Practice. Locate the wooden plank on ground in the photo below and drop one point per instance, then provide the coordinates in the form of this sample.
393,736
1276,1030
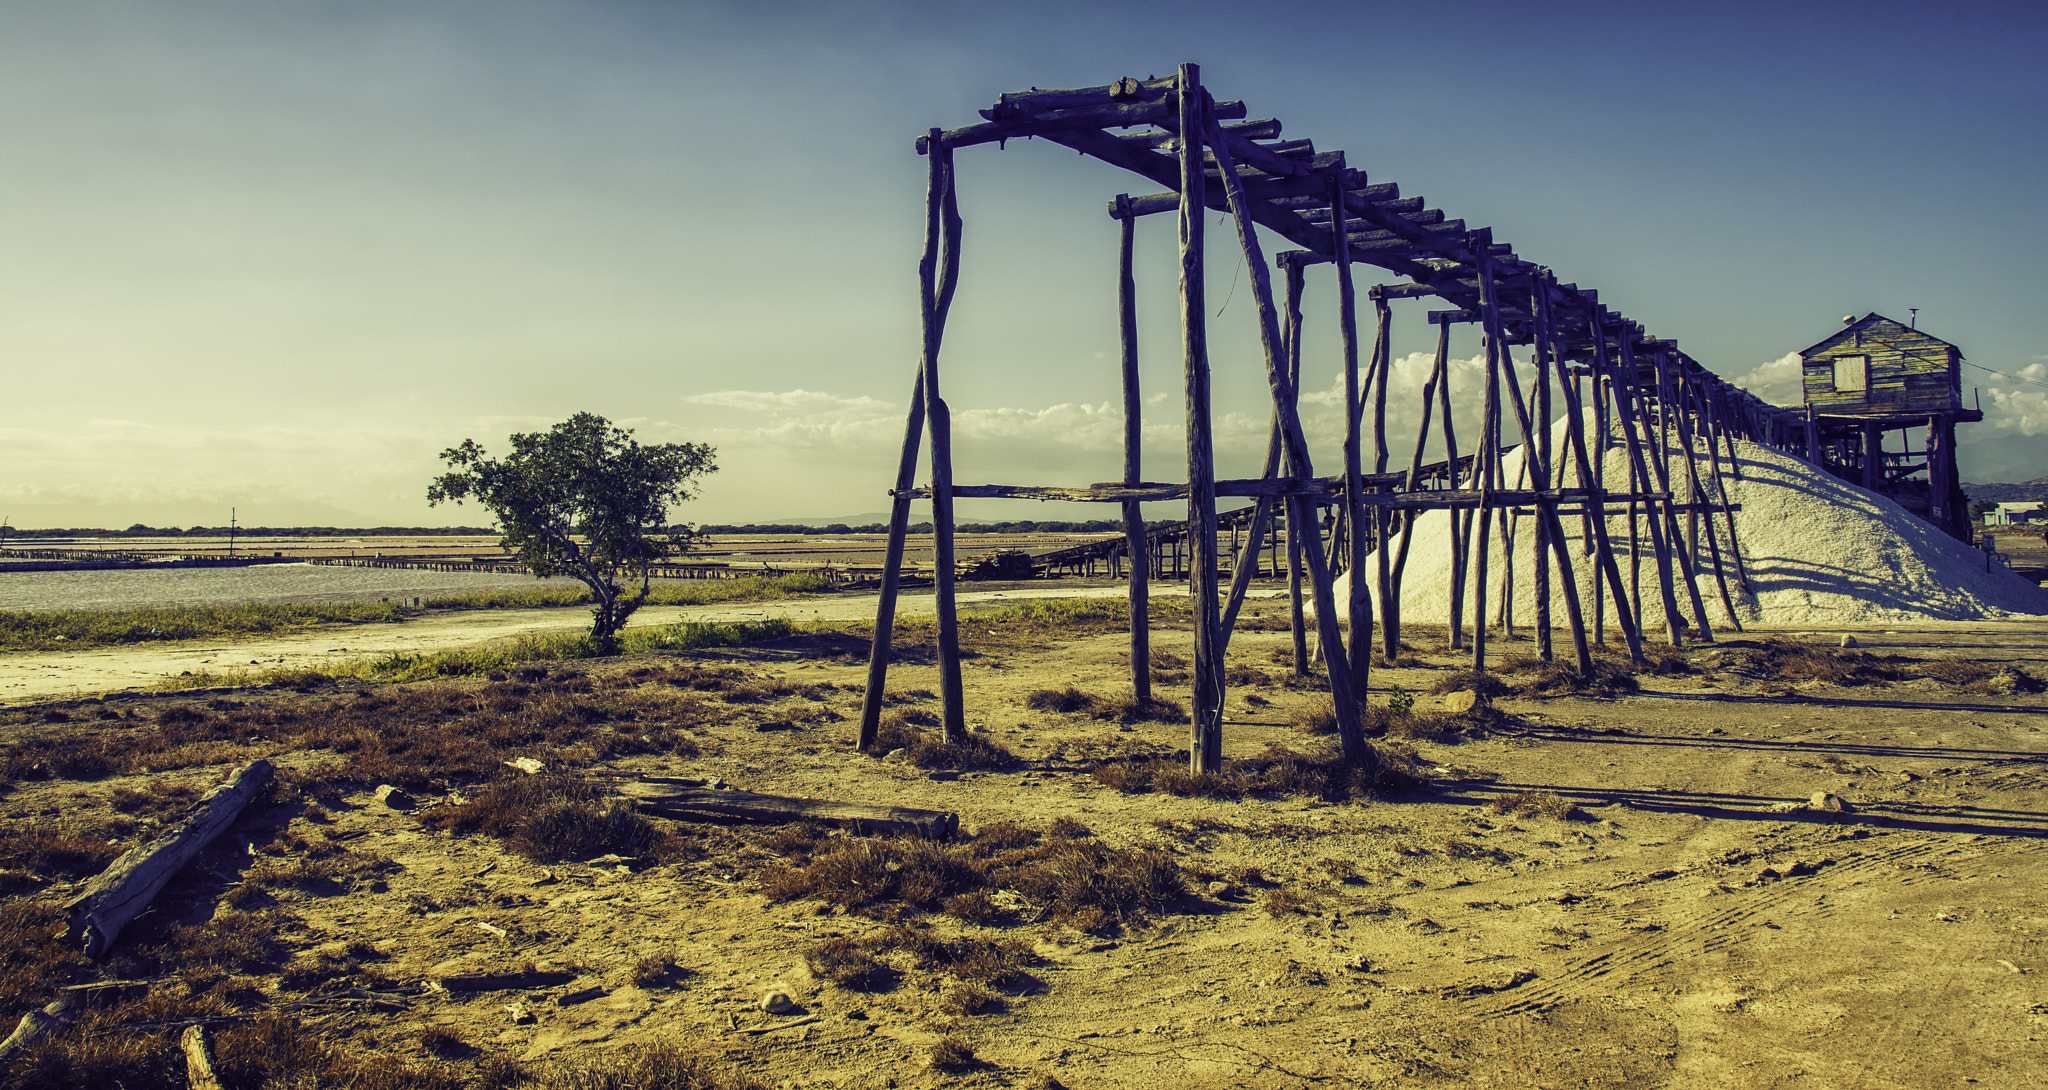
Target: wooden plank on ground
692,804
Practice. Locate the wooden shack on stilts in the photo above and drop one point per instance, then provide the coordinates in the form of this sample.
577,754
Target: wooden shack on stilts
1599,388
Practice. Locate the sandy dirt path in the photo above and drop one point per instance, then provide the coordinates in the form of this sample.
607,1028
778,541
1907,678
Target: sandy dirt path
42,675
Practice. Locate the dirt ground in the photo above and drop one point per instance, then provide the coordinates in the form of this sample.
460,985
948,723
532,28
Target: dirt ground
27,677
1693,920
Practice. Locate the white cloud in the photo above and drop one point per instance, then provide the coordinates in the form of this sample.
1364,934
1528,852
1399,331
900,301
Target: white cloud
1777,382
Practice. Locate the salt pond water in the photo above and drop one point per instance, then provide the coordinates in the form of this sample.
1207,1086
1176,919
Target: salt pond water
132,589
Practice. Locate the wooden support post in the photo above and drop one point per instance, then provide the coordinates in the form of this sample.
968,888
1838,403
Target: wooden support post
1688,568
1682,404
1134,441
1632,410
1573,403
1350,733
1538,471
938,277
1297,622
1205,732
1390,605
1359,606
879,648
1873,455
1582,450
1719,498
1724,426
1460,525
1481,242
939,424
1246,561
1383,519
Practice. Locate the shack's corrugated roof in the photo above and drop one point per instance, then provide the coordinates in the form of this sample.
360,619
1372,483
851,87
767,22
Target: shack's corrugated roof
1866,322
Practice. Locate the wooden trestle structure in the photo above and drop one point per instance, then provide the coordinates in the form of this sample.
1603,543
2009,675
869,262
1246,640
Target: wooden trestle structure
1617,386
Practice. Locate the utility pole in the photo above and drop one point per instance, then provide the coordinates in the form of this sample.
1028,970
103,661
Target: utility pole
231,533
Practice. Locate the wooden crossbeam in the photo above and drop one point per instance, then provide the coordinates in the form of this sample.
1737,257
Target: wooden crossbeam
1270,487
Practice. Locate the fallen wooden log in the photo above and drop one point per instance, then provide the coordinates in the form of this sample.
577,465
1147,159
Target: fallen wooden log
664,800
34,1025
127,886
199,1071
497,982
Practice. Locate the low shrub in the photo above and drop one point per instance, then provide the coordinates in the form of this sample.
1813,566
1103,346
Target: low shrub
1083,883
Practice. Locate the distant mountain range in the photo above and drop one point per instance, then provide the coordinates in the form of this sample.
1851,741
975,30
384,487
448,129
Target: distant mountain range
2036,490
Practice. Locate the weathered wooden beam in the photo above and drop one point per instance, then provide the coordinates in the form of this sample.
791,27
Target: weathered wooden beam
1265,128
1125,90
129,883
1111,115
35,1025
688,804
1314,488
199,1072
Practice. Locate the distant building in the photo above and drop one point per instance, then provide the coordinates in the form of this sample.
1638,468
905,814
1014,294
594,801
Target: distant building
2014,513
1876,376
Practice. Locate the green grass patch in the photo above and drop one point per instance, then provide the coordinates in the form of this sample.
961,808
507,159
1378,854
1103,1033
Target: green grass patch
71,629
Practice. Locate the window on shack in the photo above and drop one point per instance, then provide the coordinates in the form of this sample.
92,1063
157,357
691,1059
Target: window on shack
1852,374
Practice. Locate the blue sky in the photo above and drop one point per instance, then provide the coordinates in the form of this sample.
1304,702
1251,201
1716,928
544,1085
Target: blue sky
278,255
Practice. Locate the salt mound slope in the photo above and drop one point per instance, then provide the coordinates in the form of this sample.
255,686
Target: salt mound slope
1818,550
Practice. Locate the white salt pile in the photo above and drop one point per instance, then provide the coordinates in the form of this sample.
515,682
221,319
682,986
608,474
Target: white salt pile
1817,550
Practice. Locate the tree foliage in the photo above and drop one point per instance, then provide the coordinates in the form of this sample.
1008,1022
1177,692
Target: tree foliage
586,500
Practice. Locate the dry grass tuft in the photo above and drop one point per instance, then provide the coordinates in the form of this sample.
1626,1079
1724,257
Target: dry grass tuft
952,1055
1320,774
1777,658
1287,902
653,970
1068,700
553,816
1319,718
933,751
1609,678
1544,803
1468,681
971,999
442,1041
1083,883
1125,709
850,963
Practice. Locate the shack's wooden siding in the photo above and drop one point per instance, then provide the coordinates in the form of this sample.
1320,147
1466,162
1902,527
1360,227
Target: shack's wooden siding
1911,373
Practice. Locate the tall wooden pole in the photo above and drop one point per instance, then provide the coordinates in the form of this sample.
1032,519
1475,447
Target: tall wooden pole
939,421
938,276
1297,622
1134,442
1489,437
1350,734
1205,732
1359,606
1383,517
1460,526
1391,603
1629,620
1632,410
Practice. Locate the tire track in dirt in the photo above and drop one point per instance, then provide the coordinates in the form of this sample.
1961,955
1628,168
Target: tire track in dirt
1690,931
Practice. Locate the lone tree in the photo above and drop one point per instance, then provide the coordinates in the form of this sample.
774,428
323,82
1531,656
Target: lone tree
583,499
